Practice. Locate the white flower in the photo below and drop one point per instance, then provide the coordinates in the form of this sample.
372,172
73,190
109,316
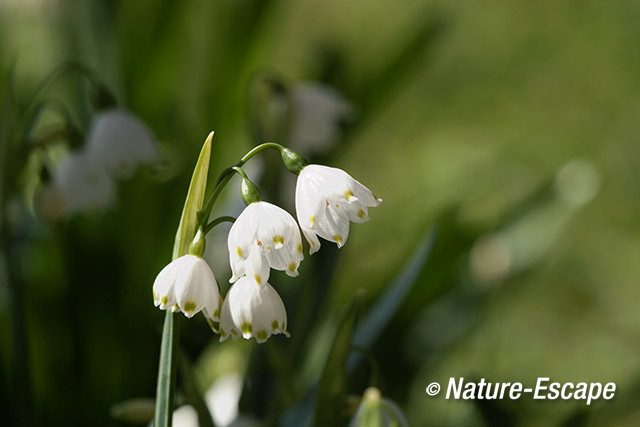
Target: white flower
252,310
81,185
326,200
187,284
264,236
119,142
318,111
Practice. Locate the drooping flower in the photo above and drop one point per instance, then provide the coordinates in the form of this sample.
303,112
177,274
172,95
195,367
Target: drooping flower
119,142
187,284
326,200
318,112
80,185
264,236
252,310
374,410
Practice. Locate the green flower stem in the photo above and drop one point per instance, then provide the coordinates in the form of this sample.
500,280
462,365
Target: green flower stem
166,371
374,380
226,174
217,221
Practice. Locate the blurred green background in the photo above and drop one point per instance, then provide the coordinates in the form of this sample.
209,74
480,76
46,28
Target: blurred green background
507,130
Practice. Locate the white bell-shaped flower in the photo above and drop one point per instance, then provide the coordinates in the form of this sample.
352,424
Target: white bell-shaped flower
119,142
252,310
326,200
81,185
264,236
187,284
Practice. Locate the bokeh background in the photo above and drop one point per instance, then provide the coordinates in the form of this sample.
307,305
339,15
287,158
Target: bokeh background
502,136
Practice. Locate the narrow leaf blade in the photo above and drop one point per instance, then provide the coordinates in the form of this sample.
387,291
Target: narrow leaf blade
331,389
193,203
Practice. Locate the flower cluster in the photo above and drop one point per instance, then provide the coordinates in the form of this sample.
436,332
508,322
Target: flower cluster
265,237
117,143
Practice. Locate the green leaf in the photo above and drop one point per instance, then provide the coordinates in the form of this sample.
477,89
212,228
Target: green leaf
193,203
374,322
6,107
387,304
331,389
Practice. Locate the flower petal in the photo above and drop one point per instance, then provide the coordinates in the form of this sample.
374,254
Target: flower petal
195,286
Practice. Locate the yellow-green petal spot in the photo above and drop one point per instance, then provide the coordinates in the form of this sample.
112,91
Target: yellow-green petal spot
292,267
361,214
262,335
274,325
239,251
299,248
246,328
155,297
278,240
189,307
348,194
312,221
222,333
234,332
216,313
164,300
338,238
258,279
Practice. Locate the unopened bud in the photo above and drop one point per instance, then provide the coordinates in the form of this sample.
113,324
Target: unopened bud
293,161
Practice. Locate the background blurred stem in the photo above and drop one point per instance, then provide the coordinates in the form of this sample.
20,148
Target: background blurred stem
193,395
21,376
60,72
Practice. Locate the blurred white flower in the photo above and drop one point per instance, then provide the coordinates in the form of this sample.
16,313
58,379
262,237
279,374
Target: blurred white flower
374,410
264,236
252,310
318,112
187,284
222,399
185,416
118,142
326,200
79,185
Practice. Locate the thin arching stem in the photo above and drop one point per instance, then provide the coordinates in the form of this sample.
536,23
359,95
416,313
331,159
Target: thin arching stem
226,174
217,221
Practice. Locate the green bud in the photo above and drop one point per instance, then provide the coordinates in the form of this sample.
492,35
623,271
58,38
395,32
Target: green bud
198,244
293,161
250,192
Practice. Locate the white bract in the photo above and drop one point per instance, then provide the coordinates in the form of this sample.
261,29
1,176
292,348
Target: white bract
252,310
326,200
264,236
80,185
118,141
187,284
